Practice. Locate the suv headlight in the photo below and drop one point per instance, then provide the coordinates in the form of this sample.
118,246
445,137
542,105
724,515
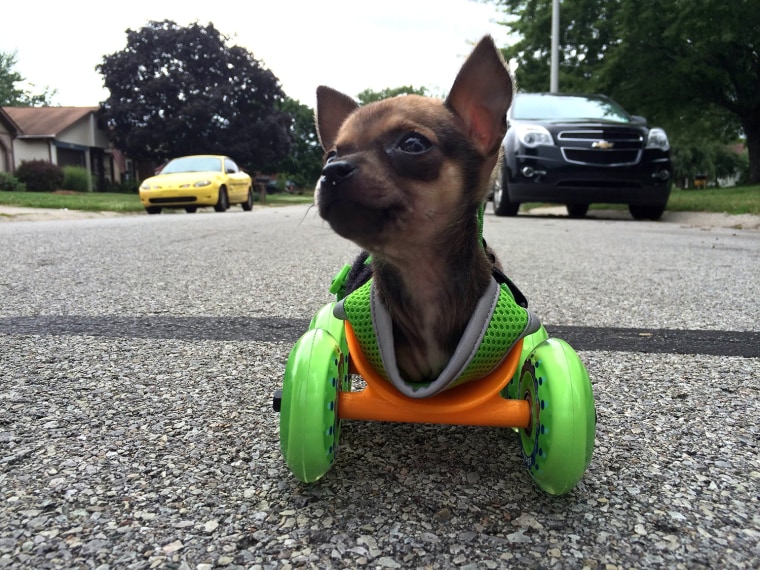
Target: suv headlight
657,139
534,135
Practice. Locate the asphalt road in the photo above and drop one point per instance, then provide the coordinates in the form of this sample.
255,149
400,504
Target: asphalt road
139,354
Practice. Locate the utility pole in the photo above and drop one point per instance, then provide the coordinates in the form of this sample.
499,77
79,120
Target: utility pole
554,77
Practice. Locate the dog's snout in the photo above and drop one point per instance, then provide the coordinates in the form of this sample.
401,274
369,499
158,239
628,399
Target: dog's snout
335,172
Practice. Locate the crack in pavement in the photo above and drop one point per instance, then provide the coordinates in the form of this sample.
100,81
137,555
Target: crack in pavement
280,329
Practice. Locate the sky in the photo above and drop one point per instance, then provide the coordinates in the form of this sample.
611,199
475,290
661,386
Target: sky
350,45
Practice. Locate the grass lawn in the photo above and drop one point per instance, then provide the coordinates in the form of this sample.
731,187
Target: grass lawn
107,202
737,200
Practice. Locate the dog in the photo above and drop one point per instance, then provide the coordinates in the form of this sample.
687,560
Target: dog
404,179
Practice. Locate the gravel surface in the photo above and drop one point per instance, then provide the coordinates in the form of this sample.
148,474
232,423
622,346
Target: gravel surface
139,356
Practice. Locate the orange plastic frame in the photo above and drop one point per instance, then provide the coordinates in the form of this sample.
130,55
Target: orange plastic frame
474,403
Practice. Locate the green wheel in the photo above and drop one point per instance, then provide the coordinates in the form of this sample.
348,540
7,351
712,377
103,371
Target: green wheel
530,342
309,425
325,320
558,443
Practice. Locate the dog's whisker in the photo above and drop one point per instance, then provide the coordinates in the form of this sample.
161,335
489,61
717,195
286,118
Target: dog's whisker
308,211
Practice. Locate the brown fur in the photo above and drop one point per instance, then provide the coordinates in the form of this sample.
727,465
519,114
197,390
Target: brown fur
403,179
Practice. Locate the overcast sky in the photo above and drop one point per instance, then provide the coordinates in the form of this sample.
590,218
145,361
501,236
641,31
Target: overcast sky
350,45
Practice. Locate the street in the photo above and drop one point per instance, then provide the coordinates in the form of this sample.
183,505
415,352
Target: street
139,356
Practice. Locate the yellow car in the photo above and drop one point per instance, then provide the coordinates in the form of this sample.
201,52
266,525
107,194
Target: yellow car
199,180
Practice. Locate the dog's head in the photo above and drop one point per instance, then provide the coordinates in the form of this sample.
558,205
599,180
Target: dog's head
405,170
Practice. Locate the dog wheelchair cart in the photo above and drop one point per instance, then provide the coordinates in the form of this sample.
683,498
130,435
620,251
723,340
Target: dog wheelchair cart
540,388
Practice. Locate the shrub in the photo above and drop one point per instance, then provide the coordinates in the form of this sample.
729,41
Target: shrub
40,175
9,183
127,187
76,178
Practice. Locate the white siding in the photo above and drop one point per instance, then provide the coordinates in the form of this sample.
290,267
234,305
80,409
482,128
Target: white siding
31,150
85,133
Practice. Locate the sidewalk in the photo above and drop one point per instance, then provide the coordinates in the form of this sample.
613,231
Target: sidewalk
694,219
16,214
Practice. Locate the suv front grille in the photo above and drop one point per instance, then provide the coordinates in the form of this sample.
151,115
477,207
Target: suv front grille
602,147
601,157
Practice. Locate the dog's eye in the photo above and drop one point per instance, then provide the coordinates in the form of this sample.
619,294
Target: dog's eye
414,143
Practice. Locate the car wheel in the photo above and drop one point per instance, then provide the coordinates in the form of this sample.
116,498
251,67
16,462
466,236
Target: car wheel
577,210
248,204
191,209
501,204
223,202
153,210
646,211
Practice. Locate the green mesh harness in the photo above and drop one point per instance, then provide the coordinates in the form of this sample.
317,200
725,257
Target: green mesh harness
497,323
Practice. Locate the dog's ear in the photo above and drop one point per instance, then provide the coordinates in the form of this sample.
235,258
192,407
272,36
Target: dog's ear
332,109
481,96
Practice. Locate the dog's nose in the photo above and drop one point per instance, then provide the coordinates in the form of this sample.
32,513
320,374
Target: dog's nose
336,172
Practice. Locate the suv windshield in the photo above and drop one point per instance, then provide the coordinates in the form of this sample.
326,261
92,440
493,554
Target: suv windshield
544,106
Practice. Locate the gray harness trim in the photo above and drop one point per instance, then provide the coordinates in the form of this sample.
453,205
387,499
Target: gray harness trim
466,350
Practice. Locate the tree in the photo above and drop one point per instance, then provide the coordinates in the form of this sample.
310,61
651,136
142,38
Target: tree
303,164
692,59
368,95
587,31
675,61
13,96
182,90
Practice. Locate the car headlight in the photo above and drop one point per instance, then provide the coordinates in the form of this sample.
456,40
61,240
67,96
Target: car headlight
202,183
148,186
657,139
534,135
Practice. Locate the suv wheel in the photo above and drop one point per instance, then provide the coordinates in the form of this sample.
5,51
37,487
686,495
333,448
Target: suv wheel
501,204
646,211
576,210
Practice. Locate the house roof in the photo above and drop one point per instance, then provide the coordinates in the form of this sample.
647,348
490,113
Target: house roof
46,121
10,123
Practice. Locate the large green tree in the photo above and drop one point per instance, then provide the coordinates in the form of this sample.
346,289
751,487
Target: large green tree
698,61
11,94
370,95
303,164
183,90
587,34
683,63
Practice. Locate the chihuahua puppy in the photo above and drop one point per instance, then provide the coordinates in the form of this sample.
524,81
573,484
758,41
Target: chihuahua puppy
404,179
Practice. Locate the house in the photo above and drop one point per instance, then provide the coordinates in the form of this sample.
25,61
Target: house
8,132
66,136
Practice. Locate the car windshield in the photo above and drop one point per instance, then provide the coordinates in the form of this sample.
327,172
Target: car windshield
193,164
530,106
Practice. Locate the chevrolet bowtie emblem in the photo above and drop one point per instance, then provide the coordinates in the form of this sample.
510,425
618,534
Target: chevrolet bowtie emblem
604,145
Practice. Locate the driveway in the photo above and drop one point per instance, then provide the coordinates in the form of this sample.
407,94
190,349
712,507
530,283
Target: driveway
139,355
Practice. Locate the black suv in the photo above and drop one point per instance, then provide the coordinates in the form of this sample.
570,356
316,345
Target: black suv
579,149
